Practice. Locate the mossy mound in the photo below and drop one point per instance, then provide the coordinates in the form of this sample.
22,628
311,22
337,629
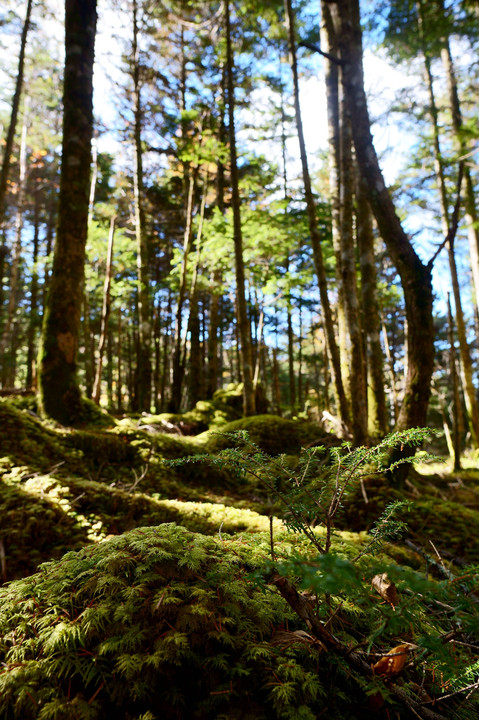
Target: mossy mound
33,530
275,435
25,440
158,623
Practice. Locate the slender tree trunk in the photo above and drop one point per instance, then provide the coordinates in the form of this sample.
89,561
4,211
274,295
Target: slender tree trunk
143,395
119,377
6,344
331,76
89,345
178,365
33,319
415,276
242,315
472,406
7,153
291,375
456,403
377,411
214,318
59,395
472,215
105,313
314,230
357,367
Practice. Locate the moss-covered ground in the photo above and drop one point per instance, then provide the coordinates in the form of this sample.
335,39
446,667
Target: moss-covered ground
154,612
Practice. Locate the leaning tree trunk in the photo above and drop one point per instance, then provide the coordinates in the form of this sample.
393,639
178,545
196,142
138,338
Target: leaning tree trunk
59,394
243,322
415,276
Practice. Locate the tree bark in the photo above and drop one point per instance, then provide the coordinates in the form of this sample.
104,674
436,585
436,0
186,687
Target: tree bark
7,153
314,229
377,411
105,313
59,394
14,288
472,406
415,276
242,315
143,386
33,319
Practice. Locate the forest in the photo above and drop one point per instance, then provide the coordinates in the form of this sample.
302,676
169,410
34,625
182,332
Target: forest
239,360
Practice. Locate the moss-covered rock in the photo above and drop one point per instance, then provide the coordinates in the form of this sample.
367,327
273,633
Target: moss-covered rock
159,623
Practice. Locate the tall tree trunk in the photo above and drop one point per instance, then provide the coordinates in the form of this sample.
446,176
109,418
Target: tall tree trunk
357,366
472,215
14,289
415,276
89,345
7,153
33,319
314,229
242,315
105,313
143,387
291,375
119,377
377,412
472,405
178,365
59,395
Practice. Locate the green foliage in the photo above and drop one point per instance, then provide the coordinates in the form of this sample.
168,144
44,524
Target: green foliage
158,621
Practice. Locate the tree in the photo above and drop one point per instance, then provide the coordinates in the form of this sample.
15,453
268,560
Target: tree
243,326
7,153
415,276
59,393
314,230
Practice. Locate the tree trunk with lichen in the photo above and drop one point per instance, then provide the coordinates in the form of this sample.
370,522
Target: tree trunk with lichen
59,394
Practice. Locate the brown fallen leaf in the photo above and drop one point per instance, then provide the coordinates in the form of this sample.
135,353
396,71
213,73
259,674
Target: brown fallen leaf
386,588
393,661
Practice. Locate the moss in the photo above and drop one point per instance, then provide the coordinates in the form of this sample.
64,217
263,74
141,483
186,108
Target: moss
26,440
101,448
159,621
33,530
275,435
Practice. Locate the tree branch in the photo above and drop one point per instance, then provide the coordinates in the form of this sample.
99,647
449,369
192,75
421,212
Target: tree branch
317,49
452,231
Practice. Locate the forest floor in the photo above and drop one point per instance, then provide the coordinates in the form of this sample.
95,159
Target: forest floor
66,489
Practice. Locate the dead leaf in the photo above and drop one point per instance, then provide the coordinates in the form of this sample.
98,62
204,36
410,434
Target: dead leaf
392,662
386,588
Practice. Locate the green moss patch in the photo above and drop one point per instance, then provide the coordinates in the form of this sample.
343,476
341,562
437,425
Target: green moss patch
158,623
275,435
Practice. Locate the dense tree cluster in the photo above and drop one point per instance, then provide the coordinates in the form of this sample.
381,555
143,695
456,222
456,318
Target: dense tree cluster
208,257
